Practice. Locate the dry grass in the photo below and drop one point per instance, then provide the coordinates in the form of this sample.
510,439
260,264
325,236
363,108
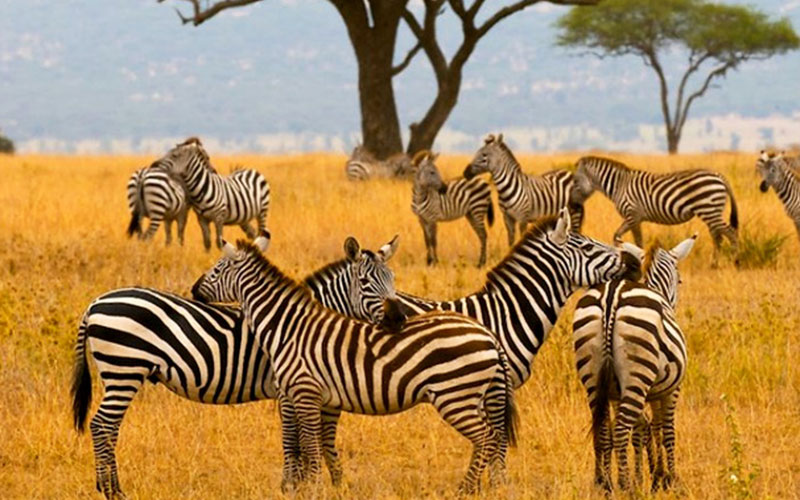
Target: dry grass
62,242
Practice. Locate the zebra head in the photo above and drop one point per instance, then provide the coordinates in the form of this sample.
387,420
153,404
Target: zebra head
493,154
769,166
426,175
371,281
181,160
588,261
661,267
583,183
221,283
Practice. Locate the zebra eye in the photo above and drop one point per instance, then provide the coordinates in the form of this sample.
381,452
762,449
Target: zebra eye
364,281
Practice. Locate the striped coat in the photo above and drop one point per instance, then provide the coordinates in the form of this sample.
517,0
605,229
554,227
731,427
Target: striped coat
782,174
153,193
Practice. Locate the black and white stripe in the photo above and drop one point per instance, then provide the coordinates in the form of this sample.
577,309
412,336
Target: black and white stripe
326,360
523,198
783,175
434,200
242,196
362,166
671,198
152,193
630,349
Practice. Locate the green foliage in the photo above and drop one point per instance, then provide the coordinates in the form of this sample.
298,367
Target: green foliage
6,145
739,481
757,250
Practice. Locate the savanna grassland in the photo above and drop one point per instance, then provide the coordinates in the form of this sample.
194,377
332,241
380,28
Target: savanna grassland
62,242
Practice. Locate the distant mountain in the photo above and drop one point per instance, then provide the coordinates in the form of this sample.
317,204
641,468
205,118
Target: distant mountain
124,75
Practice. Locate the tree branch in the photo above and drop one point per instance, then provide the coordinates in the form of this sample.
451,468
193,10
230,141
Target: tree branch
718,71
396,70
694,65
201,15
518,6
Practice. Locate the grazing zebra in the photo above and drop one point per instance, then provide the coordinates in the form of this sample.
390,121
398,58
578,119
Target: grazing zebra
152,193
671,198
200,352
434,200
235,199
630,349
523,295
523,198
783,174
362,165
326,360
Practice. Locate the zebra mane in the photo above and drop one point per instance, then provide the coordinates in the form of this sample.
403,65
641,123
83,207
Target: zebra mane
190,140
332,268
270,270
536,232
615,163
421,156
505,149
650,256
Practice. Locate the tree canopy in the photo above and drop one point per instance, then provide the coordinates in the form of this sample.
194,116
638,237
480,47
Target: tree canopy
716,37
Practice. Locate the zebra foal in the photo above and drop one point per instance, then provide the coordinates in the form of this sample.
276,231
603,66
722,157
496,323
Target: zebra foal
434,200
240,197
362,166
325,360
523,198
783,175
200,352
630,349
671,198
153,193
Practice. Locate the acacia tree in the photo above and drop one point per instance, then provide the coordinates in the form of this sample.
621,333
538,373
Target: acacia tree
716,37
372,26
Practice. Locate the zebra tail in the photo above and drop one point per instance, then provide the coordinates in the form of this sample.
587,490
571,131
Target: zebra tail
511,416
605,379
81,380
734,214
135,226
490,213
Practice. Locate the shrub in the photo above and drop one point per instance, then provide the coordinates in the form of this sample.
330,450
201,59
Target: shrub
6,145
757,250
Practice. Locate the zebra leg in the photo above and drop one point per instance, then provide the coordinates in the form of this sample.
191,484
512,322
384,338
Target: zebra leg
118,394
470,422
510,223
204,223
668,431
218,225
523,226
181,225
429,228
628,413
602,452
292,465
330,419
641,439
476,221
495,407
626,226
155,222
168,230
307,401
248,230
658,437
636,229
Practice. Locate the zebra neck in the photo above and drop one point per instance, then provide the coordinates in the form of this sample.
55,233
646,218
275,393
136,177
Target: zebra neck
423,196
508,178
331,287
199,179
783,186
611,182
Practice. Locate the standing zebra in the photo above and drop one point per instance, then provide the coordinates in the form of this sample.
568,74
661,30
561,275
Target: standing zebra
235,199
523,295
671,198
783,175
362,165
523,198
200,352
630,349
434,200
152,193
326,360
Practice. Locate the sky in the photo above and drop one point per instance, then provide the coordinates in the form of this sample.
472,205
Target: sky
120,76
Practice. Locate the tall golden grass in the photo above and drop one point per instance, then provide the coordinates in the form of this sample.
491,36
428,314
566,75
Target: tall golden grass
62,242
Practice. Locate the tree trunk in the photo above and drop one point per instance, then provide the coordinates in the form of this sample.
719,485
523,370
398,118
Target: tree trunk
424,133
673,138
374,50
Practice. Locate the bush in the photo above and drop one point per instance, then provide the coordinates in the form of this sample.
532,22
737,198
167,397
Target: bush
6,145
757,250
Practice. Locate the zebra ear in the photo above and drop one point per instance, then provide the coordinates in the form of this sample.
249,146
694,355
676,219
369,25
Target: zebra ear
683,248
262,242
352,249
499,138
228,250
633,250
560,233
388,250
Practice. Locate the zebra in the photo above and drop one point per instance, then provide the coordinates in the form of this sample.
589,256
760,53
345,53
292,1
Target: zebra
434,200
630,349
523,295
236,199
201,352
152,193
671,198
523,198
783,174
326,360
362,165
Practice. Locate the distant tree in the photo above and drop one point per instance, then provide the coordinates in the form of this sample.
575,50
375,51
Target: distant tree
372,26
6,144
716,37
